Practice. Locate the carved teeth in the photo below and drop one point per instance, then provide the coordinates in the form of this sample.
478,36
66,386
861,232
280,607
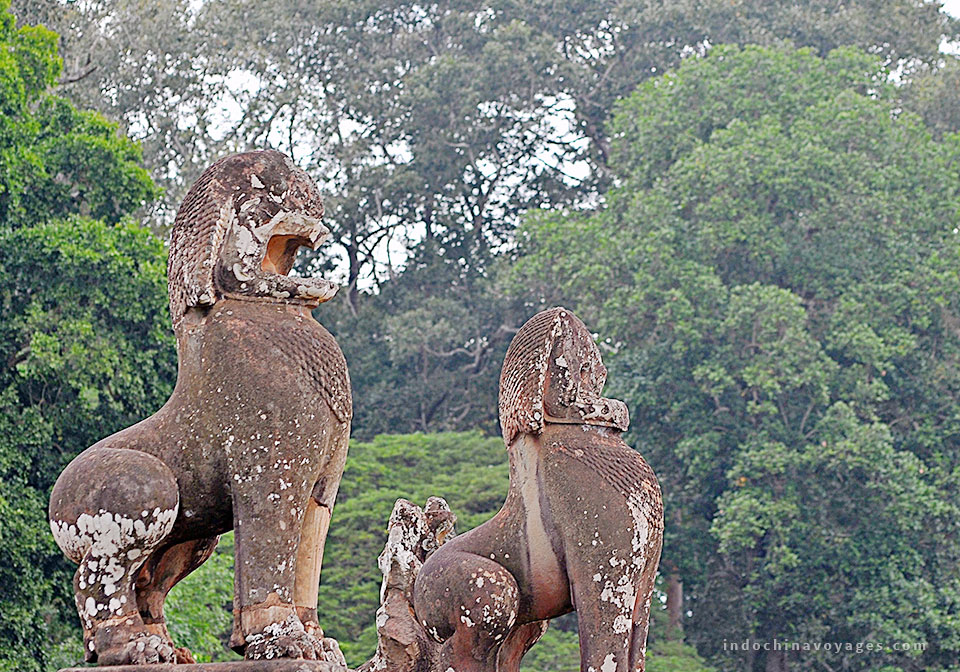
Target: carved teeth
319,234
289,223
319,289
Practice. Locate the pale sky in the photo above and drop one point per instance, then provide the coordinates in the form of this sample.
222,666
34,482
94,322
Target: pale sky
951,7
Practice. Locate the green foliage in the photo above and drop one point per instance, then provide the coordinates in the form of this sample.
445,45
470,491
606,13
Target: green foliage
425,354
86,349
432,127
557,651
776,280
934,93
440,121
54,159
84,339
668,117
675,656
199,610
670,655
26,589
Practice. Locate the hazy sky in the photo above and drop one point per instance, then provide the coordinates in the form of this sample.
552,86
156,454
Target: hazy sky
952,6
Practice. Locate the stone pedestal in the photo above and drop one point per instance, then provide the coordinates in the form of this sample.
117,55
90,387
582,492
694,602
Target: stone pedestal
238,666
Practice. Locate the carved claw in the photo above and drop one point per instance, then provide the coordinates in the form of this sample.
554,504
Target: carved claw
290,640
281,646
317,288
327,648
331,651
143,649
184,656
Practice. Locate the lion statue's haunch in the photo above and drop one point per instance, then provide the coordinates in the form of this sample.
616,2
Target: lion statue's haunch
253,439
580,530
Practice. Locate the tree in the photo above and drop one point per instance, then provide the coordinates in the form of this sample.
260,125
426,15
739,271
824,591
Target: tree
776,282
934,93
436,121
57,160
84,335
147,67
426,354
431,127
86,351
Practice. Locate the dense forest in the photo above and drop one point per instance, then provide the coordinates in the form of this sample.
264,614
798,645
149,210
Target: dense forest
755,205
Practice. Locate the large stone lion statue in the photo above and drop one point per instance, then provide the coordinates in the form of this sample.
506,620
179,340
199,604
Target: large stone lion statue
253,438
580,530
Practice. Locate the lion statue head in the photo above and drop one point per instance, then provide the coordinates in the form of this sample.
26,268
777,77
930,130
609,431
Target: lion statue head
553,373
238,231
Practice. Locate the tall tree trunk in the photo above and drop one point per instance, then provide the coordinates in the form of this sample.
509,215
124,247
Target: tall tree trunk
353,295
674,605
776,661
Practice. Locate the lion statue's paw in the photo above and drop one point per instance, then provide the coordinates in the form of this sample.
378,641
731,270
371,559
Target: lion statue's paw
142,649
331,652
289,639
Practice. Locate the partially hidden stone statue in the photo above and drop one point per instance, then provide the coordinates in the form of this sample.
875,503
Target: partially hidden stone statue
581,529
413,533
253,438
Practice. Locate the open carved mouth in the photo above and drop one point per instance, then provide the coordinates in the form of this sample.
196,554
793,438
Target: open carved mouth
282,253
289,232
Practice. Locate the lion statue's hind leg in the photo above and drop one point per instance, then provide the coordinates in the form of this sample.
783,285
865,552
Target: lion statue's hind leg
470,603
109,510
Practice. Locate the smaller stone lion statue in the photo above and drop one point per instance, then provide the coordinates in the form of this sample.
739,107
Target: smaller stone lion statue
580,530
253,438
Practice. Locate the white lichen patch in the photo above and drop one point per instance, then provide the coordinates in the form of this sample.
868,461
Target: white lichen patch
106,534
274,640
407,532
641,514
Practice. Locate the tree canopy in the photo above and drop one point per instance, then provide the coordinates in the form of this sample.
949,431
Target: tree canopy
431,129
56,160
776,281
84,335
439,121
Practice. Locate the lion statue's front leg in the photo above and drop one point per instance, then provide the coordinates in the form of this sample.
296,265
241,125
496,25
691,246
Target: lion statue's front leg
254,437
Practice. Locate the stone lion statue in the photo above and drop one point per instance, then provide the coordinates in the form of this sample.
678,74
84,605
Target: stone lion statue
580,530
253,438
